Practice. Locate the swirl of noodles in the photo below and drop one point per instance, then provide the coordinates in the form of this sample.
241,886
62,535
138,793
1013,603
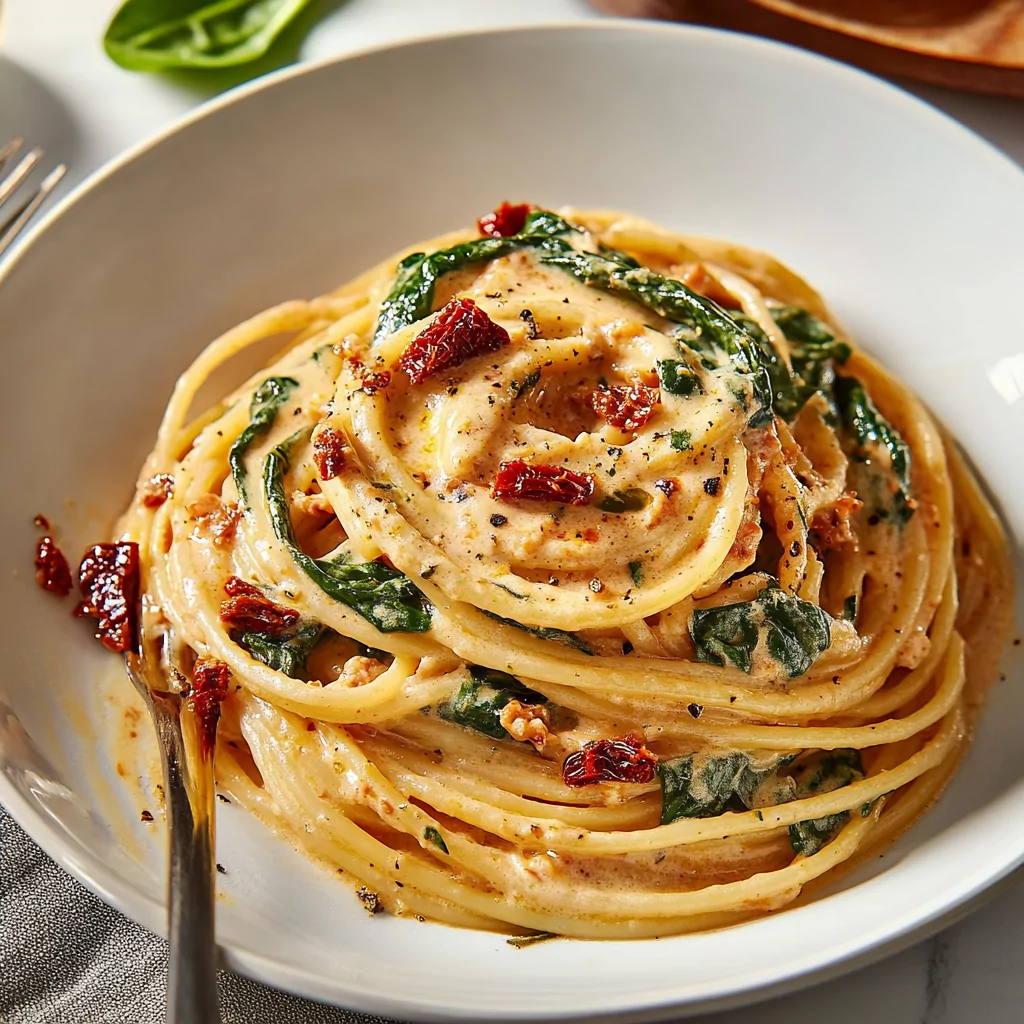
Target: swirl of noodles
594,584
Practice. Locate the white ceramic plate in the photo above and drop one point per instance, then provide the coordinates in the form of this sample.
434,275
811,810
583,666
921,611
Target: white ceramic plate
910,226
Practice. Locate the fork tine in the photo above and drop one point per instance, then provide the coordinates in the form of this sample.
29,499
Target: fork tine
19,173
9,149
13,227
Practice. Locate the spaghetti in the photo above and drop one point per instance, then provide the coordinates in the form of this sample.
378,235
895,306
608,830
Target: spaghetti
574,576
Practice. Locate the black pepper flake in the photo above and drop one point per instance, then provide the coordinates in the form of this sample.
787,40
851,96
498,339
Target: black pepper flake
552,581
498,519
532,330
696,710
146,817
221,869
711,485
732,700
428,572
369,899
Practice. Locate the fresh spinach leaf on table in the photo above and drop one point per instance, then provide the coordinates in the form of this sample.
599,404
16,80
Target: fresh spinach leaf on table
152,35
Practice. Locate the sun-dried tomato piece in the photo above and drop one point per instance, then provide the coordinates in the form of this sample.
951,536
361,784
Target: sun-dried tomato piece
329,449
156,490
460,331
625,406
507,219
621,760
517,480
52,570
371,380
831,526
209,687
109,579
215,519
249,610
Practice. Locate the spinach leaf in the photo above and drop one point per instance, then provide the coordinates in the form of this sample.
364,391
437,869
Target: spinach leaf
529,382
573,640
150,35
787,393
797,632
704,787
479,701
870,428
286,654
636,572
824,772
681,440
412,295
267,400
382,595
633,499
618,256
432,835
678,379
814,351
706,328
808,837
807,331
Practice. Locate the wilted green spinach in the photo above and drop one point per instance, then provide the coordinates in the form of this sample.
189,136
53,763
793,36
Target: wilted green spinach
798,632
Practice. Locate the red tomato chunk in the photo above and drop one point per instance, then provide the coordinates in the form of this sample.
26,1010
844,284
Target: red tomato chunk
249,610
507,219
329,452
621,760
52,570
109,578
460,331
209,687
519,481
625,406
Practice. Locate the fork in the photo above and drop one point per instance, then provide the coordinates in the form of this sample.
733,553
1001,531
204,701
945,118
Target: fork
22,214
187,758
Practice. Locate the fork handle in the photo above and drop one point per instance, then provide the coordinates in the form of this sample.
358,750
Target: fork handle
192,980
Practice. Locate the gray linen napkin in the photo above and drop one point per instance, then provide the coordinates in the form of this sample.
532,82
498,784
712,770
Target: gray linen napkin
68,958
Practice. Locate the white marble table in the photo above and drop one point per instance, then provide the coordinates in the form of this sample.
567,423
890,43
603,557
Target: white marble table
58,89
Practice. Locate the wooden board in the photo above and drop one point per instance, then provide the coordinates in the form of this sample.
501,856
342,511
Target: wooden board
967,44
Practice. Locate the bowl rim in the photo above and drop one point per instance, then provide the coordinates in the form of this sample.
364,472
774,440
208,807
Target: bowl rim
973,888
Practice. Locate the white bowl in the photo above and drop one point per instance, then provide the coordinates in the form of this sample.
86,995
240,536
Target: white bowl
909,224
